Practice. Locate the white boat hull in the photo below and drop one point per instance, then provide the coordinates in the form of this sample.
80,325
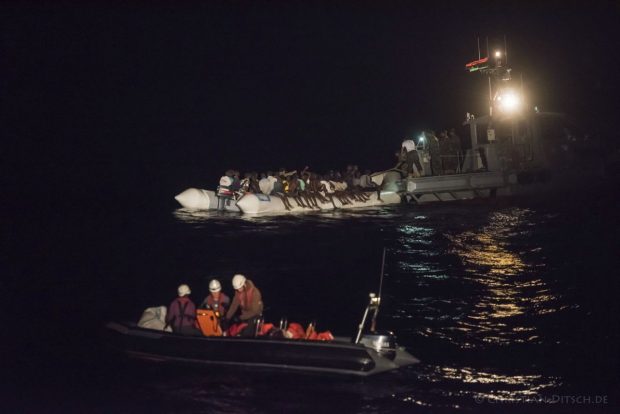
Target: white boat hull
198,199
260,203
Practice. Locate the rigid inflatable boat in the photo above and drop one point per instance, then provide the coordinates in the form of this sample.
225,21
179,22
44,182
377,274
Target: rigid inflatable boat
367,354
374,354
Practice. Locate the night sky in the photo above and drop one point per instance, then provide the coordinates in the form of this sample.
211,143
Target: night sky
107,100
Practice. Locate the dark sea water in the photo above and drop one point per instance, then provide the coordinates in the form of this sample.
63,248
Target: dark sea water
510,304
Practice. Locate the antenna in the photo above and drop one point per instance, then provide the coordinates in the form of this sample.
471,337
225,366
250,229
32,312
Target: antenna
505,50
373,323
381,278
487,46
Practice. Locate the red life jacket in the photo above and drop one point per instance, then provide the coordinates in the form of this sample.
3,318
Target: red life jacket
296,331
245,296
218,305
235,329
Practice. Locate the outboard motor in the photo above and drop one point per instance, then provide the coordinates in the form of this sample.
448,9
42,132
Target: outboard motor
383,342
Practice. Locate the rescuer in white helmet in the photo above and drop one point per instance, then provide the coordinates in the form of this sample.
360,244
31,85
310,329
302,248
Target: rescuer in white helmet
249,300
216,300
181,316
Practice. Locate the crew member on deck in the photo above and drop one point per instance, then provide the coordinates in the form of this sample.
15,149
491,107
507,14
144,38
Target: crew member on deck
181,316
409,160
216,300
434,152
249,299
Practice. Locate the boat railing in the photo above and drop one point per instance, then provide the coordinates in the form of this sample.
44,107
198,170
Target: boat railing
259,326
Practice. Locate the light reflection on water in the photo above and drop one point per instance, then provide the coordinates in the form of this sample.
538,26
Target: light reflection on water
468,292
482,295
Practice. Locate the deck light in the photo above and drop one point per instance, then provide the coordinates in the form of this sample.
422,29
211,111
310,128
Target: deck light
509,101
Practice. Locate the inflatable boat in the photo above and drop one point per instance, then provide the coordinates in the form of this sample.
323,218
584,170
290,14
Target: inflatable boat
198,199
367,354
374,354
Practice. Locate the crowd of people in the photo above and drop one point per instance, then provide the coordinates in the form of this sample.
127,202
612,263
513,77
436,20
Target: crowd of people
442,152
243,316
307,189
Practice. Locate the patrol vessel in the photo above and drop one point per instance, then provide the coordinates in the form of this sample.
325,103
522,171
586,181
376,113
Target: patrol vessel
514,149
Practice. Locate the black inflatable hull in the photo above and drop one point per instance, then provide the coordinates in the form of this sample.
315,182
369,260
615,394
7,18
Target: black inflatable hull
335,357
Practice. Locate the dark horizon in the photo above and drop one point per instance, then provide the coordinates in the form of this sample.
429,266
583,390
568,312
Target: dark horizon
166,97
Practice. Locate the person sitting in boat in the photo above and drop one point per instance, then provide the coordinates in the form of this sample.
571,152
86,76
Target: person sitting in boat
267,182
356,176
216,300
244,184
278,185
280,188
366,181
181,316
227,181
315,190
295,191
253,186
348,176
249,184
248,299
236,184
326,185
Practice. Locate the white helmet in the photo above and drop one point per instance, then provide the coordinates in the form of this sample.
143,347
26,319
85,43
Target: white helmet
183,290
215,286
238,281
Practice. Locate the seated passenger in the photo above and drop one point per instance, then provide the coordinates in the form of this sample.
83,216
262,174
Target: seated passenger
244,185
348,176
340,185
292,187
236,185
278,185
327,187
253,186
356,176
216,300
181,316
248,299
225,188
366,181
267,182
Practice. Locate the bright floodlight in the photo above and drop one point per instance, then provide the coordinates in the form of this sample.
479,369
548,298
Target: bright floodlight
421,138
498,53
509,101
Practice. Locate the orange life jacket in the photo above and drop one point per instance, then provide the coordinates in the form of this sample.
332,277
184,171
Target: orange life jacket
209,322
